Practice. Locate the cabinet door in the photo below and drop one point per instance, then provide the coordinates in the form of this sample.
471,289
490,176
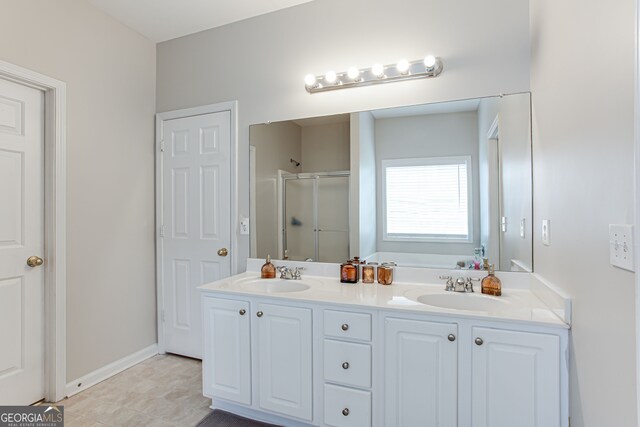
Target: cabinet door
421,380
226,365
515,379
284,360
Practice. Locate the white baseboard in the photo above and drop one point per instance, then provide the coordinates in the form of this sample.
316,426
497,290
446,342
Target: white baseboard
110,370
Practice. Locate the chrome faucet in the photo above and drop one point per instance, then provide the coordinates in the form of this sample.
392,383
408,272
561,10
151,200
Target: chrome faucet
461,284
290,273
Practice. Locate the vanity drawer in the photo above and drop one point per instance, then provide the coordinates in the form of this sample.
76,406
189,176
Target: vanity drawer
347,363
343,324
345,407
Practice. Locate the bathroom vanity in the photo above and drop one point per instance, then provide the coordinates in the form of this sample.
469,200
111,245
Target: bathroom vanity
318,352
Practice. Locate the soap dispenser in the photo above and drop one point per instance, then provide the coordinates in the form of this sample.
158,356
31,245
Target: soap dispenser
491,285
268,270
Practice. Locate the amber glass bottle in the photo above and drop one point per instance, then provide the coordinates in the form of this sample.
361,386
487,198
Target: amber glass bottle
491,285
348,272
268,270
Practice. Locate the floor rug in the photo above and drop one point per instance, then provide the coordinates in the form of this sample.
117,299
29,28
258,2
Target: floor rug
218,418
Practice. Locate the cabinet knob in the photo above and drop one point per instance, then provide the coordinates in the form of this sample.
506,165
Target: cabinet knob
451,337
259,314
345,411
479,341
345,365
242,312
345,327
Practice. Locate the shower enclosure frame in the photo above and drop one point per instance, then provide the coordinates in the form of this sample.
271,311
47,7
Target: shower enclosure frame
284,177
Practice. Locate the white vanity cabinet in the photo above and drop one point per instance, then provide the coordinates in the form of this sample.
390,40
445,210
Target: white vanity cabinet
515,379
277,339
284,350
314,363
421,373
226,364
471,372
347,368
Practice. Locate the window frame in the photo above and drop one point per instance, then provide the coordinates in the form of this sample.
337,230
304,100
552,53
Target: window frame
427,161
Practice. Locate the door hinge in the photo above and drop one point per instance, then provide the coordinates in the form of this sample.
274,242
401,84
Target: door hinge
162,230
162,145
162,315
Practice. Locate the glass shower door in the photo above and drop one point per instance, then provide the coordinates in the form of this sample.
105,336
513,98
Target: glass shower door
333,218
299,219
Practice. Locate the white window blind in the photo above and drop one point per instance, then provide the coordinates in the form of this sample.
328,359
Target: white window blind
427,198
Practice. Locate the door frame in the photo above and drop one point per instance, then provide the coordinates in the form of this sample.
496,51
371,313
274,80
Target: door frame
55,196
232,107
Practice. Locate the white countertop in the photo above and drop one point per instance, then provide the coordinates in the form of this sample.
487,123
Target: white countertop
518,304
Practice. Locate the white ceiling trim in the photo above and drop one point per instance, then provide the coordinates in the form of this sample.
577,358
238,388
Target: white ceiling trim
161,20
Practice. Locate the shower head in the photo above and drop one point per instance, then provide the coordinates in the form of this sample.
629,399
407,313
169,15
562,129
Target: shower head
297,163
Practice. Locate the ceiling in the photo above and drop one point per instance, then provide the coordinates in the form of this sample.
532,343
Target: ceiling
161,20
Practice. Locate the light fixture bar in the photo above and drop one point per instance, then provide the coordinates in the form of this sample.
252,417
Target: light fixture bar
419,69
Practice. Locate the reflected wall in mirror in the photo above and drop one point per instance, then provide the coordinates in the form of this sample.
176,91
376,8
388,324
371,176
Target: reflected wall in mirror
438,185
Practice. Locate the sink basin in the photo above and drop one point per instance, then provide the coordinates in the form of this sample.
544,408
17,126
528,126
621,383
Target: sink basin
464,301
274,285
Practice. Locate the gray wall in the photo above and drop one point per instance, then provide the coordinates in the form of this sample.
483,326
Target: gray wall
275,144
583,181
363,235
110,75
433,135
325,148
261,62
515,186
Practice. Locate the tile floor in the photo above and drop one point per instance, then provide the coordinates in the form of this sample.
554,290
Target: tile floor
165,390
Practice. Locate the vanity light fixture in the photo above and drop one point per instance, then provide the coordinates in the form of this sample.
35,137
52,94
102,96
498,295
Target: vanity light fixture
403,67
430,66
378,70
354,74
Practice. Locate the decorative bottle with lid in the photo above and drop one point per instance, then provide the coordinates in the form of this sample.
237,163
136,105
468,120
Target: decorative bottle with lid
491,285
348,272
268,270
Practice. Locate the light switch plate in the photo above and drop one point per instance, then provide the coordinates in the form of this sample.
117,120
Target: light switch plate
621,246
244,226
546,232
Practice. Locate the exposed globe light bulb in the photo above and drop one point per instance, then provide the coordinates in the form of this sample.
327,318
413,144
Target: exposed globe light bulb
353,73
309,80
377,70
330,77
403,66
429,61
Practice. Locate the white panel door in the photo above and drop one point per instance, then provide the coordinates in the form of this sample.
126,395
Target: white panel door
284,360
21,236
196,221
421,373
226,363
515,379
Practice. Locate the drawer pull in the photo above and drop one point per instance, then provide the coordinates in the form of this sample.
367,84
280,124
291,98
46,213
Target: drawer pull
451,337
345,327
242,311
479,341
345,411
259,314
345,365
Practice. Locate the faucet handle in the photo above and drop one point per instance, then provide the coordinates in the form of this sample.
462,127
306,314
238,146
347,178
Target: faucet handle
296,273
468,286
449,285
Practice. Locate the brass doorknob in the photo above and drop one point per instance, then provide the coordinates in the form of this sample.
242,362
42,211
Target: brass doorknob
34,261
223,252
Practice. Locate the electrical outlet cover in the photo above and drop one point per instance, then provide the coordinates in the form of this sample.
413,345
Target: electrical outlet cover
546,232
621,246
